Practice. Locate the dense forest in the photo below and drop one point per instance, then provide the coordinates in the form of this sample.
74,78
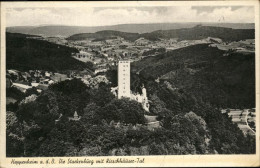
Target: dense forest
111,126
195,33
154,51
24,54
203,71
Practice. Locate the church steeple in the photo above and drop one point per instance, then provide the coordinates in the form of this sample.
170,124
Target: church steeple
76,116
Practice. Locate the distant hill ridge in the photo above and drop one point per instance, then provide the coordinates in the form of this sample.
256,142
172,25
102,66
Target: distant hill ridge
195,33
105,34
58,30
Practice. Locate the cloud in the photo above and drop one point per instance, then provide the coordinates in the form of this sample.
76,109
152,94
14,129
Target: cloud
110,16
227,14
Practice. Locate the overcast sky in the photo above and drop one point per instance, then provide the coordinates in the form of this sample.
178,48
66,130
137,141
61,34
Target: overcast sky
100,16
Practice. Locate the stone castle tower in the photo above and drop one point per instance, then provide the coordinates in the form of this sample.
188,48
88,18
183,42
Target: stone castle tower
123,88
124,79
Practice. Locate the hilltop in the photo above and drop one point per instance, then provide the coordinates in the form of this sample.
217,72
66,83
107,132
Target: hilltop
106,34
25,53
58,30
203,71
199,32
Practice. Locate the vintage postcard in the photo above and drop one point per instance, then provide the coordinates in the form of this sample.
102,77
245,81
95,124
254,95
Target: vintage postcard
129,84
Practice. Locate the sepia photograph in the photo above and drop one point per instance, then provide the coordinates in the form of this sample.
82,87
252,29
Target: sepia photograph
129,80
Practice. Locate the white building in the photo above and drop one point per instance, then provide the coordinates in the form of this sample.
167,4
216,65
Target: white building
21,87
100,70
